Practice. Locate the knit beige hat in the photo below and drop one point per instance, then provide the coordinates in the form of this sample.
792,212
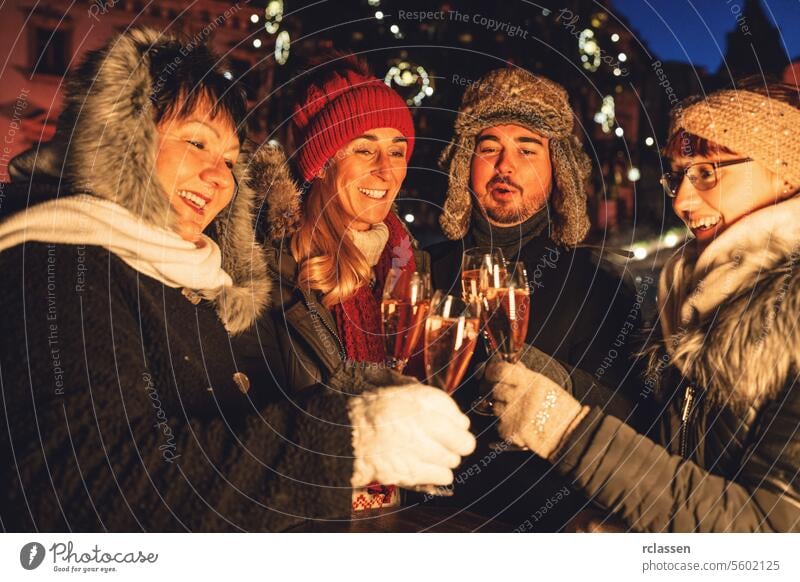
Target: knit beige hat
515,96
749,124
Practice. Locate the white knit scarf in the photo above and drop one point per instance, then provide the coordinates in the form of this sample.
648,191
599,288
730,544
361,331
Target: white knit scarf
693,286
371,242
156,252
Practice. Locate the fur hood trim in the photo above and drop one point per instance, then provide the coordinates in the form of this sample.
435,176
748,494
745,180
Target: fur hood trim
270,173
105,145
747,351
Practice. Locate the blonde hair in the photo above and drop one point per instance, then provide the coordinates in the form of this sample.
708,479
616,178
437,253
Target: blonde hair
328,260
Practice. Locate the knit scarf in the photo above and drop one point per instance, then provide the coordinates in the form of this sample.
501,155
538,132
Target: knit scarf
510,239
156,252
694,284
358,320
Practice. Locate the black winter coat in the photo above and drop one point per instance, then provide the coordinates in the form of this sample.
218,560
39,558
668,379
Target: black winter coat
126,407
580,313
718,448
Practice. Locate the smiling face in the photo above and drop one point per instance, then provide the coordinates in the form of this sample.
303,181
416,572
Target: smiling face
367,176
741,189
511,175
194,163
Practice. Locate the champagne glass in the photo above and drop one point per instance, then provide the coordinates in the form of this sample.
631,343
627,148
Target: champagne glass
506,310
451,332
476,264
406,299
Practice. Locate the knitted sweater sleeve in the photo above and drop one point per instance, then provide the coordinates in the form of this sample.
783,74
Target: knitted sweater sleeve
653,490
96,440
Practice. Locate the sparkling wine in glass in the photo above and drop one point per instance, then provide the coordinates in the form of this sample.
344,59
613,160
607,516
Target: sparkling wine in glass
406,299
505,315
476,264
451,333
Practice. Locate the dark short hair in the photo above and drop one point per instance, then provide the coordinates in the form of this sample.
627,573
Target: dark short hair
183,78
683,143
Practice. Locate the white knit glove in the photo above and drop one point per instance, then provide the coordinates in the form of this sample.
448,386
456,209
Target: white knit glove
407,435
534,411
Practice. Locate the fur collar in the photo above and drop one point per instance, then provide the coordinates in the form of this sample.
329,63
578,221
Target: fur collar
745,349
105,145
270,173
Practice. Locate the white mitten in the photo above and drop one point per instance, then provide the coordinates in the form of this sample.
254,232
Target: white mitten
407,435
534,411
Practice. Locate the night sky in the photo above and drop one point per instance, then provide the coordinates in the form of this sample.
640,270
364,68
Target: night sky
694,30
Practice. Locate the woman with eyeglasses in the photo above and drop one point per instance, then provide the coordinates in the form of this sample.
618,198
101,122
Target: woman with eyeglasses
721,452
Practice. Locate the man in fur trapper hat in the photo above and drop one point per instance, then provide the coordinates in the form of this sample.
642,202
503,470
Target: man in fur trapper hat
517,178
514,106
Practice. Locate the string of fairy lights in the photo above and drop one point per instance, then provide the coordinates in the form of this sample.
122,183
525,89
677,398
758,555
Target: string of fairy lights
408,78
273,15
413,82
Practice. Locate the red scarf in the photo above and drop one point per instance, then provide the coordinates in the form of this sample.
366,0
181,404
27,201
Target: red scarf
358,320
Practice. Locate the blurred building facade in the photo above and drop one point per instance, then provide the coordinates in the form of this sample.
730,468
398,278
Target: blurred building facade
42,41
429,51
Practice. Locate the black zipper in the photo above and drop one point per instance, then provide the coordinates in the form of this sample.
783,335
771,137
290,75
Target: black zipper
686,411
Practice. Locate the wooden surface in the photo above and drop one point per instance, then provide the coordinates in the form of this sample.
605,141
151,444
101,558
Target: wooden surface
410,519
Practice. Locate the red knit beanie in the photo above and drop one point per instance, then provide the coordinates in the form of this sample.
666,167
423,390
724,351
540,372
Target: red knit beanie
340,104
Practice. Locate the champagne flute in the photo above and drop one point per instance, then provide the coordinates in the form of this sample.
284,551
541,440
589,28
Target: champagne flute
476,264
451,332
506,310
406,299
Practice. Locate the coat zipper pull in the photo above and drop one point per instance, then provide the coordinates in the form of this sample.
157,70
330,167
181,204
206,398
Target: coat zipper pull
688,397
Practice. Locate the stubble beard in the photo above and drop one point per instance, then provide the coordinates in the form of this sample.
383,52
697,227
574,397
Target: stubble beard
514,214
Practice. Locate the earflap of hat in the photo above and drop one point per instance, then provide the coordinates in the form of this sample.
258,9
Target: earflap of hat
571,168
457,158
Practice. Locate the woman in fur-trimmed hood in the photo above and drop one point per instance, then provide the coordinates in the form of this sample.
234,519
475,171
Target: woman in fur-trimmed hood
142,378
723,452
137,393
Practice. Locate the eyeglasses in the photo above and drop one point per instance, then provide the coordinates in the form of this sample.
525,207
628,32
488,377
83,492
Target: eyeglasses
702,175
